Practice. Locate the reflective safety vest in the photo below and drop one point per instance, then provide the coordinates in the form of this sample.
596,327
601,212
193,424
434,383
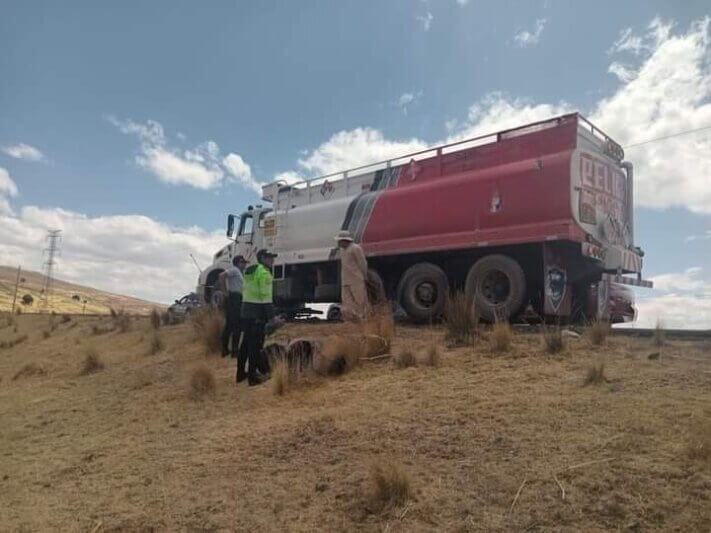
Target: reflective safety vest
257,286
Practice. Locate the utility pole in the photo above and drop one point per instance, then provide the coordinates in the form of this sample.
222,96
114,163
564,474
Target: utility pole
52,250
17,285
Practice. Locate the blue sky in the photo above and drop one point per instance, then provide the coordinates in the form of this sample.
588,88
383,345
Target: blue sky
273,83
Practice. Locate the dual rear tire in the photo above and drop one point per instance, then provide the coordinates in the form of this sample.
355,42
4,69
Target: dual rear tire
495,285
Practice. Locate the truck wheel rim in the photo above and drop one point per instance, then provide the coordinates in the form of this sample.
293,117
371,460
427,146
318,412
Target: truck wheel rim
495,287
426,294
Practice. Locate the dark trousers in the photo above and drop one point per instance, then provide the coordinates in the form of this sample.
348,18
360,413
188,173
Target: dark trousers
252,349
233,326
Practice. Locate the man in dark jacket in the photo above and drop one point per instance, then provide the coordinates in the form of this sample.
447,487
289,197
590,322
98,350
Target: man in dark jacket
257,310
232,281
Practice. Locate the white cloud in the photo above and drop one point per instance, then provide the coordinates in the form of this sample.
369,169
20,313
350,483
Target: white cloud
669,92
628,41
23,151
202,167
426,20
526,38
129,254
348,149
678,300
406,99
241,172
623,72
704,237
7,186
462,2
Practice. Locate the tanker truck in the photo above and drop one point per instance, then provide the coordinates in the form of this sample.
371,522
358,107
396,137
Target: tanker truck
537,218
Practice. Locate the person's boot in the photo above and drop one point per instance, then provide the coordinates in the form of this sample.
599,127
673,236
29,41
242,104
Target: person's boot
256,379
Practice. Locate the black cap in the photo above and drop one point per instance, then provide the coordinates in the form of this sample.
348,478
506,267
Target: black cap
238,259
264,253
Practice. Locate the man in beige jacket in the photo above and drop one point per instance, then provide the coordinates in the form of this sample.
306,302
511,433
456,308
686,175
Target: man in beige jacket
354,273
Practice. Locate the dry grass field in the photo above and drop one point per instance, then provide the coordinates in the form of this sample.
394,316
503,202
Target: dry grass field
104,430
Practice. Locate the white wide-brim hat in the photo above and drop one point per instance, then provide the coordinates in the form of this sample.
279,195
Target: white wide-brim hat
344,235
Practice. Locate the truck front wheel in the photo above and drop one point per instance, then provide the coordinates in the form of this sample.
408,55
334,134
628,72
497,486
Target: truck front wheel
422,292
496,285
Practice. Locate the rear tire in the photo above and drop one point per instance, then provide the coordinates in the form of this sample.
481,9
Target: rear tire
423,291
496,285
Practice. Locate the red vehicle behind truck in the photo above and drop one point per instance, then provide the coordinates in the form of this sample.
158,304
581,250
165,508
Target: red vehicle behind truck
538,217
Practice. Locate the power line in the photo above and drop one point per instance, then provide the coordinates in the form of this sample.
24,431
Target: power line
686,132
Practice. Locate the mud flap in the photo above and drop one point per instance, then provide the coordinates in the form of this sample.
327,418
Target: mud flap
557,289
603,300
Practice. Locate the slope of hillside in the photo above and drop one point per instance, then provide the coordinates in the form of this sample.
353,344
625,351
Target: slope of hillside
66,297
505,441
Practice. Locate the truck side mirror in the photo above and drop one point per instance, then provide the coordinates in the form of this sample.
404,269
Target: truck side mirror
230,225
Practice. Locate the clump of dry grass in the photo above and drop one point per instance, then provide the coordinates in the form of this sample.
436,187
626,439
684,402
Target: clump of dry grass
340,354
595,374
92,362
29,370
501,337
553,339
155,318
65,318
405,358
282,379
46,334
101,330
380,323
433,355
391,484
202,382
207,324
157,343
113,312
699,445
461,327
165,318
659,336
123,321
13,342
598,331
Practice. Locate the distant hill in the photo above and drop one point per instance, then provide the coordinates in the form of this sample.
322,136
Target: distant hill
66,297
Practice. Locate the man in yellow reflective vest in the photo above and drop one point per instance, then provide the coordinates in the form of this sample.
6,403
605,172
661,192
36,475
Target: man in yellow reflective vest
257,310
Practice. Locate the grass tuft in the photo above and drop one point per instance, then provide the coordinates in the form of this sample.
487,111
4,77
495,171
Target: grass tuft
405,358
92,362
433,355
461,327
165,318
46,334
699,445
595,374
157,343
341,353
123,321
155,318
501,337
65,319
659,336
553,339
207,324
598,331
281,378
30,369
391,484
202,382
